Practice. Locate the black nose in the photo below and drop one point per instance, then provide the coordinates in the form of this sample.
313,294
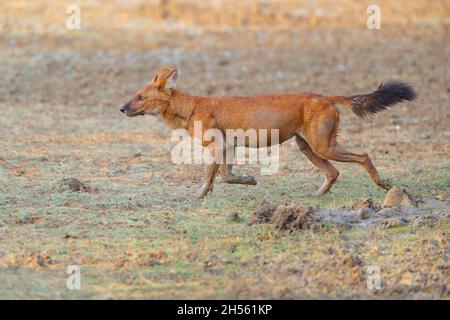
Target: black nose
122,110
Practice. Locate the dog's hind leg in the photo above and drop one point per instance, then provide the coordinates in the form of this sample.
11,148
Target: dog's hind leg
338,153
229,177
323,142
331,173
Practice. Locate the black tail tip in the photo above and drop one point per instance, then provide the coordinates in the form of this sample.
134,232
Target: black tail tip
401,90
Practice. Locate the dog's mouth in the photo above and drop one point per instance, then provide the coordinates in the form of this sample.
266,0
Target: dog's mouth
135,113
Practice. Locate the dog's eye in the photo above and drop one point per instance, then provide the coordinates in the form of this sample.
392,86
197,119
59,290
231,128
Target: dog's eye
141,98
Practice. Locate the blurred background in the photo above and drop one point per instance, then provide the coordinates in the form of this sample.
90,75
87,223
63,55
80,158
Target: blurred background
232,47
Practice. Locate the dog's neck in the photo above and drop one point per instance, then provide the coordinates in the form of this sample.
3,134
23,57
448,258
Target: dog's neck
179,111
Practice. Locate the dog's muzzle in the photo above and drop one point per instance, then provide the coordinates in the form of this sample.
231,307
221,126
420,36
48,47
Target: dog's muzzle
125,108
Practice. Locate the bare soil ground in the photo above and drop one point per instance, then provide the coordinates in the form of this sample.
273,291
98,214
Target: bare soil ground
81,184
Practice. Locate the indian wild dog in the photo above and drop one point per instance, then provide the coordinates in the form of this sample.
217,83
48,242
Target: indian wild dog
311,118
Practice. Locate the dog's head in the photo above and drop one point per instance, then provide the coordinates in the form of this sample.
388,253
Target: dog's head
154,97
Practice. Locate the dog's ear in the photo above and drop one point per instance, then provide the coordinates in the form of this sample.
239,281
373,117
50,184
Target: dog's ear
171,79
167,78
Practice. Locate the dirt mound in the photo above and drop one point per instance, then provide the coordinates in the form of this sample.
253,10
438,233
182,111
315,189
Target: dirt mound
72,184
399,197
285,217
294,217
399,209
263,214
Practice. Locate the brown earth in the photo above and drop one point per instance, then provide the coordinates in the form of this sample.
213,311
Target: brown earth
399,208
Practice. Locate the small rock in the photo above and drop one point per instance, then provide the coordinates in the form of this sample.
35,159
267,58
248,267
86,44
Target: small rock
72,184
233,217
224,62
207,264
40,261
232,248
43,260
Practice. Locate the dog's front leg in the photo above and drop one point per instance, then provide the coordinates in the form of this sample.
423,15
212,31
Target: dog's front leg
213,168
208,184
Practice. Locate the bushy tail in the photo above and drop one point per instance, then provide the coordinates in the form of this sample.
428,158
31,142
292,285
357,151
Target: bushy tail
386,95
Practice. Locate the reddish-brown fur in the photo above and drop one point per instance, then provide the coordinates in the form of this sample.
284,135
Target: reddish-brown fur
311,118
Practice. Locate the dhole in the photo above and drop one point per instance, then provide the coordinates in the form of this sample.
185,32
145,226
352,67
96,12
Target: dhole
311,118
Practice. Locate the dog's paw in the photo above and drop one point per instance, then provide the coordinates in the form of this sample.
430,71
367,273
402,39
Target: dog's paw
249,180
202,192
316,194
385,184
